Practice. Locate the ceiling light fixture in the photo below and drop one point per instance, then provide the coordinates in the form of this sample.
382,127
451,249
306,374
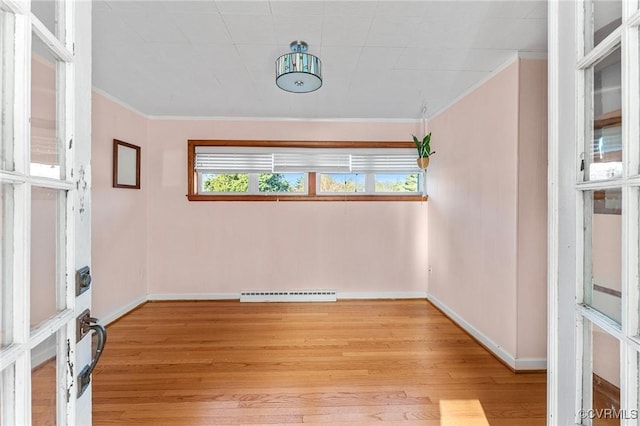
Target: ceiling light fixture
298,71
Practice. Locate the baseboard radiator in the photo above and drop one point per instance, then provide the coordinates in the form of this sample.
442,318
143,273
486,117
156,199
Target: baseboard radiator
289,296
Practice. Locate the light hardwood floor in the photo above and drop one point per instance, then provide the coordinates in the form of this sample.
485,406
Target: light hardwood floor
350,362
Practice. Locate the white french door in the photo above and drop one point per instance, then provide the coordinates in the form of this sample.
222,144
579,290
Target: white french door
45,129
594,151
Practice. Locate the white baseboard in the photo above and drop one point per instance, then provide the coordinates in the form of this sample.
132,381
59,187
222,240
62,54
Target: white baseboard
522,364
527,364
340,295
383,295
194,296
107,319
130,306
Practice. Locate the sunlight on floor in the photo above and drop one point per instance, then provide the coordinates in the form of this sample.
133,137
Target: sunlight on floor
463,412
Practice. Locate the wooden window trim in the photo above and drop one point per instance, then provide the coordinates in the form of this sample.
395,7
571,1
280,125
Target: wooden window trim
192,190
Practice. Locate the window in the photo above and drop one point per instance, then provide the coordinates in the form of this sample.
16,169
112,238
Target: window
282,183
224,183
252,183
391,183
341,183
299,171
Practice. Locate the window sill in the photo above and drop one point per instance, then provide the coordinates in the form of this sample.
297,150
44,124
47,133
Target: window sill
307,198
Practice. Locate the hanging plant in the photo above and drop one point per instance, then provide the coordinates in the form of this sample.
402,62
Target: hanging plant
424,150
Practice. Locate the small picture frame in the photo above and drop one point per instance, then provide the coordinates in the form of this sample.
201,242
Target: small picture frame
126,165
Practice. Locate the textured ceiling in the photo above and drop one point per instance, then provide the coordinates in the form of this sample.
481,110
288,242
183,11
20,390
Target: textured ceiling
380,59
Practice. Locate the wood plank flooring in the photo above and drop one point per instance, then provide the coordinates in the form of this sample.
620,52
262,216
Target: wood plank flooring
350,362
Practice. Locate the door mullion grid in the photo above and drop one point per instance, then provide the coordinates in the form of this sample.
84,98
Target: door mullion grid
13,379
7,37
584,362
55,46
19,376
66,347
629,391
634,19
628,370
65,359
22,106
22,385
628,39
583,335
22,223
584,209
584,289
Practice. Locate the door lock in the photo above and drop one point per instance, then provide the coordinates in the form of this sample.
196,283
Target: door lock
83,280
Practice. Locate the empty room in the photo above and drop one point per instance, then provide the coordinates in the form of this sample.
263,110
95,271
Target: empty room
320,212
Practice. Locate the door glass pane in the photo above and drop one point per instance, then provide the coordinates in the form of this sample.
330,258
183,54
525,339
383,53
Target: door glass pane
46,12
6,264
47,154
603,257
604,150
6,90
607,16
47,253
604,377
43,382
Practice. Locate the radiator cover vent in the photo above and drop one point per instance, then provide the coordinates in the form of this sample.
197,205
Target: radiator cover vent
289,296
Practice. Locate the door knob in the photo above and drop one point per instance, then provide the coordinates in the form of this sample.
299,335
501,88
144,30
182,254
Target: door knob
87,323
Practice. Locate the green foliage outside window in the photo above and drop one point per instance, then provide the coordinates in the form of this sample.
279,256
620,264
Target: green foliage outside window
239,182
335,182
409,184
227,182
277,182
295,183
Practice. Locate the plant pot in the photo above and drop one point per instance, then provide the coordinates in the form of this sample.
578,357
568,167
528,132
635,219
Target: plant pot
423,162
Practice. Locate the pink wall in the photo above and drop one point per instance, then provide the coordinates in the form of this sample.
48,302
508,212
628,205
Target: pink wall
119,216
532,210
154,242
225,248
487,209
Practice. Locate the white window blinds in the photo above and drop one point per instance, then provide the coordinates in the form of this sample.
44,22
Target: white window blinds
226,162
216,159
311,160
384,162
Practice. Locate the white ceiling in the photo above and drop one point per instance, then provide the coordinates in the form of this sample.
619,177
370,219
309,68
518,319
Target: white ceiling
380,59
